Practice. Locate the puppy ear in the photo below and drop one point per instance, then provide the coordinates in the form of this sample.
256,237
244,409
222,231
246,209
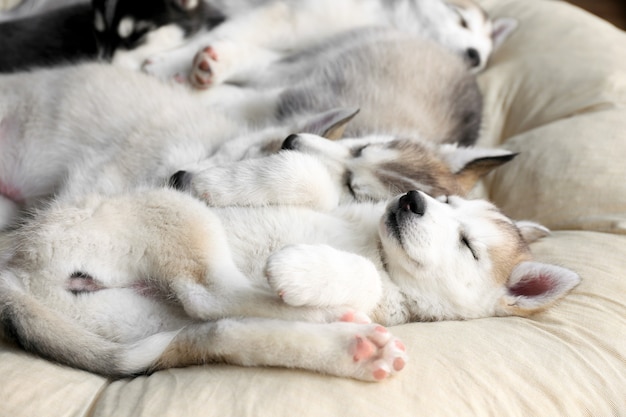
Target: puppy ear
503,27
330,124
534,286
471,164
531,231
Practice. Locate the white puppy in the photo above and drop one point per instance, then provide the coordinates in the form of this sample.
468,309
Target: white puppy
251,39
154,279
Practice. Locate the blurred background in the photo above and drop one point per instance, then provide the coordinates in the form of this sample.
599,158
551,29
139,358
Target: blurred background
612,10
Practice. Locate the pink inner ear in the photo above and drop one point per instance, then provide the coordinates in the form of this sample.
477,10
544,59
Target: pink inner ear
534,286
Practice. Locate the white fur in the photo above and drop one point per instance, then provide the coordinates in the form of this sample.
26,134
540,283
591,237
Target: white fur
233,283
96,128
217,261
315,174
163,38
286,25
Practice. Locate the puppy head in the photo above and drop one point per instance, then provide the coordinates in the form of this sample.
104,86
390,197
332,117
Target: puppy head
461,259
378,167
467,30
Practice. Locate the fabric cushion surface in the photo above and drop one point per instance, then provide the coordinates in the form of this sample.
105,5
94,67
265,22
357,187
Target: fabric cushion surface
554,92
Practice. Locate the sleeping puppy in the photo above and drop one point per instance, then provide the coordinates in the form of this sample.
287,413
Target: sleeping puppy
153,279
274,27
101,128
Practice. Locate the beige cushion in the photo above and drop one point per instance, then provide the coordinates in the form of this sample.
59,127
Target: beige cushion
8,4
554,92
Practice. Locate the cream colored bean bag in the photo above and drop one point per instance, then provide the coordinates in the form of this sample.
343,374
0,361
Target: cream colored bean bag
556,92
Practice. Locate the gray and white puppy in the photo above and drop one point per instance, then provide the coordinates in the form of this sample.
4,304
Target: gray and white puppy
404,85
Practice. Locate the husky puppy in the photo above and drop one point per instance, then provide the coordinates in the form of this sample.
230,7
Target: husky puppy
99,128
102,29
370,168
403,85
154,279
264,33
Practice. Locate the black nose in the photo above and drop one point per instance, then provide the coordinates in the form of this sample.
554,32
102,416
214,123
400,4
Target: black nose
414,202
290,142
473,56
180,180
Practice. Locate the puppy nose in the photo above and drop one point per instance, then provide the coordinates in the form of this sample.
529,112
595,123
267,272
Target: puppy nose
414,202
473,57
180,180
290,142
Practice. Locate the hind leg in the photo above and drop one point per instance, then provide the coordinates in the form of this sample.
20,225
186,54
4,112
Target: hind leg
322,276
209,286
229,61
366,352
175,64
211,303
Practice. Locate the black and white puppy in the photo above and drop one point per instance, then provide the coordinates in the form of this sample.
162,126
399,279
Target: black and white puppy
86,31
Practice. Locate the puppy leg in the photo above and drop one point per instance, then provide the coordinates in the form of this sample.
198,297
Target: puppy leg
212,303
174,65
228,60
219,290
322,276
160,40
263,181
362,351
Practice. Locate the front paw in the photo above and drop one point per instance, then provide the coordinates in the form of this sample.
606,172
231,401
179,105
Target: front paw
293,274
321,276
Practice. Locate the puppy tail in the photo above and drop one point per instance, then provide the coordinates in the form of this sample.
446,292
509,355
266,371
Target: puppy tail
49,334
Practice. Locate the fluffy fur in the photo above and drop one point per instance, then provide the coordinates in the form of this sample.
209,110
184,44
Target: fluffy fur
403,85
274,27
69,131
135,282
370,168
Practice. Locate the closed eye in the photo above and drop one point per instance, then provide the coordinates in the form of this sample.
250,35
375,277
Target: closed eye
466,242
462,21
356,152
348,183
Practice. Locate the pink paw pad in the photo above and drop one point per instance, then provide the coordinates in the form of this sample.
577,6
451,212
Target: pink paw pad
356,317
211,53
363,349
378,353
380,374
202,74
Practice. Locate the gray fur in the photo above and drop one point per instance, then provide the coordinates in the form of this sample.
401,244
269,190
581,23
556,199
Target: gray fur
403,85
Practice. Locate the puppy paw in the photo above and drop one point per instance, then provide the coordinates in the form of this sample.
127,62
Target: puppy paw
165,68
203,68
376,354
294,274
321,276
